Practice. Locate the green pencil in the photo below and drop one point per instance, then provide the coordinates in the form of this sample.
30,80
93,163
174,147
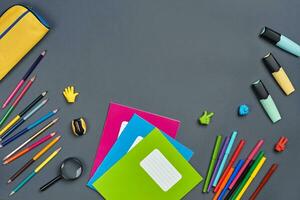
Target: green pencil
257,160
212,162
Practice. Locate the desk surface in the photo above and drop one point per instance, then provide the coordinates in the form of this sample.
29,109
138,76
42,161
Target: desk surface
176,58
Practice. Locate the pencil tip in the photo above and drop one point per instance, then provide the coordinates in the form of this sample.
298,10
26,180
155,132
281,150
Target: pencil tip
1,145
11,193
44,53
44,93
3,106
33,78
55,111
52,134
9,181
58,137
58,149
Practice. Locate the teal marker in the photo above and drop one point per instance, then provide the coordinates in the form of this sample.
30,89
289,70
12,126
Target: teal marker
227,151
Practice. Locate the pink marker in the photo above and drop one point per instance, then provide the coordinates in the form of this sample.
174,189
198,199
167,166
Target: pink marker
250,157
22,81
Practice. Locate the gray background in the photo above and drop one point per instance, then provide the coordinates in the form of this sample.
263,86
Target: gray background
175,58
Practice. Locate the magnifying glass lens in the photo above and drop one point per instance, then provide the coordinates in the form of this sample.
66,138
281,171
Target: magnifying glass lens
71,169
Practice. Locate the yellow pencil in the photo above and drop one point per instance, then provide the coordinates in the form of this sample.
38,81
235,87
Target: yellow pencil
253,175
12,122
32,174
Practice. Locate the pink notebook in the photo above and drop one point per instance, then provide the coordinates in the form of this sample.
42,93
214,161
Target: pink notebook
117,117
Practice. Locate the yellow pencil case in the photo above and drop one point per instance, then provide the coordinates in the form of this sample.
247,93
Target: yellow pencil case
20,30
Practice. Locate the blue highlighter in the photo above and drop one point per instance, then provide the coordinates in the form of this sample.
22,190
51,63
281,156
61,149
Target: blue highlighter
280,40
266,100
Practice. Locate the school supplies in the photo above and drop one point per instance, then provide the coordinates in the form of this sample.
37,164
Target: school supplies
278,74
20,30
32,138
22,81
117,117
243,110
264,181
266,100
227,151
233,158
249,158
78,126
135,131
70,94
153,169
22,113
28,128
22,120
250,179
33,159
212,162
280,40
241,178
35,172
16,102
280,145
223,184
31,147
206,118
70,170
236,170
221,156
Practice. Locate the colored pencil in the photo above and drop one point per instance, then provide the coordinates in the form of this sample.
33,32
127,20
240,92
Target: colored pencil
22,120
257,160
223,184
33,159
35,171
28,128
236,170
232,160
221,155
250,157
264,181
16,102
250,179
230,193
31,138
212,162
227,151
22,113
22,81
31,147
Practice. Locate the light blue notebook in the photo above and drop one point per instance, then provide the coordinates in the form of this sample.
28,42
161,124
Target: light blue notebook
136,129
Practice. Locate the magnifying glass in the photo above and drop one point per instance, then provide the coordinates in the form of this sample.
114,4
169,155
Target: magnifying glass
70,170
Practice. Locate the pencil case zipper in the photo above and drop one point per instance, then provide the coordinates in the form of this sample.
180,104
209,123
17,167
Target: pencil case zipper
6,31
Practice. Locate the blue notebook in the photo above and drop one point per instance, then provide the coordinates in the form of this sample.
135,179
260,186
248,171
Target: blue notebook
136,129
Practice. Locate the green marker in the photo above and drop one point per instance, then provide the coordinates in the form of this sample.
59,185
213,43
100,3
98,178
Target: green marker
212,162
257,160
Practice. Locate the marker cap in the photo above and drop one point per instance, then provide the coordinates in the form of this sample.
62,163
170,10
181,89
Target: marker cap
270,35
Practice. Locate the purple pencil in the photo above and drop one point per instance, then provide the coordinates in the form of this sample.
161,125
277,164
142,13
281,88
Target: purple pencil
221,155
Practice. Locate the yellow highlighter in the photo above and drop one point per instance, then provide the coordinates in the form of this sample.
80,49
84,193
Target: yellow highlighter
253,175
278,73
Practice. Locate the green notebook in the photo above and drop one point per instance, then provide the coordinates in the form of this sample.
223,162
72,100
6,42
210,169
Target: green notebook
153,170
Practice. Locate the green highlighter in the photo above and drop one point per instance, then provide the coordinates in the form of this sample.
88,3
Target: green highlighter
153,169
257,160
212,162
266,100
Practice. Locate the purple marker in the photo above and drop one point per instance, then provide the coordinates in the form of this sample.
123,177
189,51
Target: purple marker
221,155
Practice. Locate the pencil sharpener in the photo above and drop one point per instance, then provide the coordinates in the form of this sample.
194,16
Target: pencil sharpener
78,126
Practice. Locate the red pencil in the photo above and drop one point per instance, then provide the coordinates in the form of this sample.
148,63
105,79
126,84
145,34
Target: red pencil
264,181
233,158
31,147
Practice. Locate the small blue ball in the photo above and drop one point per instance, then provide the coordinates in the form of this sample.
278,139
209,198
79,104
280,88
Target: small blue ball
244,110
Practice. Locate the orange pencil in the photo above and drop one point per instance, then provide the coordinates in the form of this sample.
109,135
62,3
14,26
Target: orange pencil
31,147
223,183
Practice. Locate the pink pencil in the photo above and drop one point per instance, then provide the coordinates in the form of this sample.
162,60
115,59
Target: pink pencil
250,157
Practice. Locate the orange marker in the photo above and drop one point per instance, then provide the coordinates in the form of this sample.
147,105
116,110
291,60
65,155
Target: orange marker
223,183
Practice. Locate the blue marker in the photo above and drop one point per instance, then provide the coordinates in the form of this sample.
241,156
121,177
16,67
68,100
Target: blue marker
280,40
28,128
233,175
22,120
230,144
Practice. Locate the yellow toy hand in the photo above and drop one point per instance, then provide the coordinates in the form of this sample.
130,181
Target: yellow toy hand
70,94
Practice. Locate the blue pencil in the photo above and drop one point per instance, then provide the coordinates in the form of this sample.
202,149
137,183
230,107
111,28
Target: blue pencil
22,120
28,128
236,170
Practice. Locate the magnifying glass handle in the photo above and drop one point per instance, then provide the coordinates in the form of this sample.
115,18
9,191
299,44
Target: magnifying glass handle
47,185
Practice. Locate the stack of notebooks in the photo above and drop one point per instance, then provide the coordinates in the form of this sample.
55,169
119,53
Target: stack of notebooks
138,157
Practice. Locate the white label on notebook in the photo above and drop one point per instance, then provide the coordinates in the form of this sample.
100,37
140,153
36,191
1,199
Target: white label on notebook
160,170
122,127
136,141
